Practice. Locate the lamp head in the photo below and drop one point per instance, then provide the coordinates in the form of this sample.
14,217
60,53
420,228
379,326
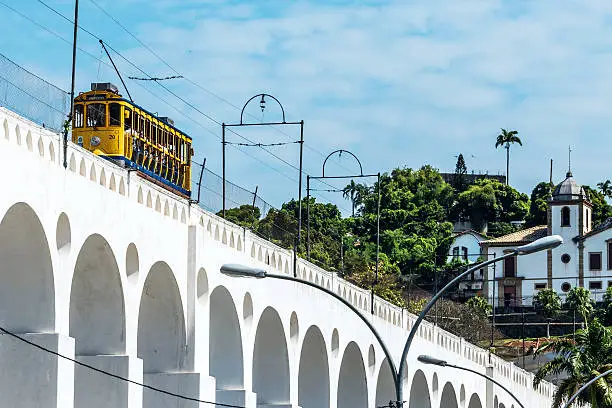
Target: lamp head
237,270
431,360
538,245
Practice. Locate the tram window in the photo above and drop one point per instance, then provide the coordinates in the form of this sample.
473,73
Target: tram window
78,115
128,118
114,114
96,115
148,130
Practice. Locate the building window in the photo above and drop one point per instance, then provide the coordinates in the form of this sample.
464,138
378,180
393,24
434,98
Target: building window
565,217
464,251
510,267
595,285
540,286
565,258
455,252
595,261
609,254
565,286
609,283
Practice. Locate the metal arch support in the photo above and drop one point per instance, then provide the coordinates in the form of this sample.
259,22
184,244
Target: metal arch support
262,95
345,151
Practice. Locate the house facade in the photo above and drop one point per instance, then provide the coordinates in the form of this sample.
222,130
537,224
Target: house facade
584,259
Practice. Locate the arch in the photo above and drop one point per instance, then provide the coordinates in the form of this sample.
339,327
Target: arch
6,130
62,234
158,206
209,227
271,380
335,343
475,401
132,263
239,244
217,232
27,293
247,309
267,258
313,372
140,197
225,350
419,391
259,255
232,242
41,147
29,141
253,250
294,328
149,200
449,397
202,286
183,216
18,134
121,186
52,151
72,163
352,385
175,214
161,322
103,177
112,184
385,386
92,172
565,217
97,309
224,236
82,168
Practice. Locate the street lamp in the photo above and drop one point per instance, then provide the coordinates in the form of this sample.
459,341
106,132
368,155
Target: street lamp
541,244
585,386
442,363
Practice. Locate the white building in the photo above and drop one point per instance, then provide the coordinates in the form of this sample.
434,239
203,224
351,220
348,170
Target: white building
584,259
466,246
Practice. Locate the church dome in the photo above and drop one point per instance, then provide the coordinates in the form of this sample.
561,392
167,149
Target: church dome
568,189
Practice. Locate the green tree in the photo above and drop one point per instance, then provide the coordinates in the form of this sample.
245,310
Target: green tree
601,209
580,360
606,188
459,179
245,215
579,300
480,305
505,139
547,303
538,204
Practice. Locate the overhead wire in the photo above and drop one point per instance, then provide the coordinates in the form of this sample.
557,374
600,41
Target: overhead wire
118,377
208,91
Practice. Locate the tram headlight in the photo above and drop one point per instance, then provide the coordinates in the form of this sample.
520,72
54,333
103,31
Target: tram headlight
94,141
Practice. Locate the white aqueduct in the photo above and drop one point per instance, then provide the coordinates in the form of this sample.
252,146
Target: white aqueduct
103,267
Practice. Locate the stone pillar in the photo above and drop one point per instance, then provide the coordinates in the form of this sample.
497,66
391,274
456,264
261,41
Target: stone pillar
33,378
192,385
98,390
243,398
490,393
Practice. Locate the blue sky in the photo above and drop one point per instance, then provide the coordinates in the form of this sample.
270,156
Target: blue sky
399,83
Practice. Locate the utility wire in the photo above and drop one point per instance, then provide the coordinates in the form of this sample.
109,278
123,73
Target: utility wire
261,144
45,349
208,91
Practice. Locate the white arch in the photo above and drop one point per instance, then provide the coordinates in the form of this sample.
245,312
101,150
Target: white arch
225,349
97,309
313,373
419,391
27,293
82,168
475,401
161,322
385,385
271,379
352,385
449,397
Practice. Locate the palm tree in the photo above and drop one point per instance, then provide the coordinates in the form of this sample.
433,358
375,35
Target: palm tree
606,188
506,138
582,359
548,304
349,191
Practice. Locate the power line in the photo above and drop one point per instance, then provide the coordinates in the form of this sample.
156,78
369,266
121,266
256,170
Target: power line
16,336
187,78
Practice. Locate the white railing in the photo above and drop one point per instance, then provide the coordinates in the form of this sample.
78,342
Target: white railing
47,146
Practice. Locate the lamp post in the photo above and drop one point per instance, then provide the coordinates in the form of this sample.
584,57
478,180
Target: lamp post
442,363
585,386
541,244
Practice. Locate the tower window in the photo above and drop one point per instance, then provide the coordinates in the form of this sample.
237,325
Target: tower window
464,253
565,217
510,267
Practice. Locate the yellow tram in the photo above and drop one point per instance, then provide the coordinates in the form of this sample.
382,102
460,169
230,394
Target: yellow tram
112,127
